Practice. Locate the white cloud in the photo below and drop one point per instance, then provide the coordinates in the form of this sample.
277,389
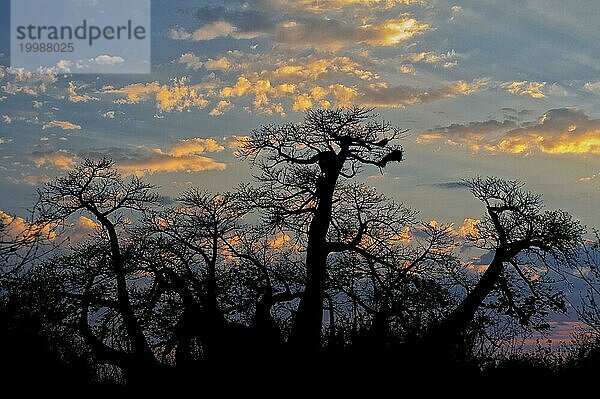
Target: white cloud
191,61
106,59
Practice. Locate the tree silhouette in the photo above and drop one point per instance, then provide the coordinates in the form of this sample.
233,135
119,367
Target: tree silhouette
528,243
96,189
309,259
302,166
387,264
587,268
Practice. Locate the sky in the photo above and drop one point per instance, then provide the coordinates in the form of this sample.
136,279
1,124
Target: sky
506,88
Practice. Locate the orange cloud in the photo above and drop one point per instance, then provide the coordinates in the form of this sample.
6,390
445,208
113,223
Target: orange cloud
178,96
329,5
134,93
330,34
64,125
77,98
19,229
194,146
60,159
526,89
183,156
222,64
469,228
560,131
261,89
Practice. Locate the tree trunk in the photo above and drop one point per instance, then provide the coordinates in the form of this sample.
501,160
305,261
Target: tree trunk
306,335
448,333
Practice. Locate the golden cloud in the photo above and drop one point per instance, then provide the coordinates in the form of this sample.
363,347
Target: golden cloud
183,156
328,5
331,34
19,229
194,146
560,131
60,159
64,125
470,227
222,64
178,96
261,89
134,93
311,68
162,162
526,89
77,98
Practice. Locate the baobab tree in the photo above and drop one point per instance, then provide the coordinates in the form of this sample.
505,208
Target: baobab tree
97,270
587,268
302,166
531,246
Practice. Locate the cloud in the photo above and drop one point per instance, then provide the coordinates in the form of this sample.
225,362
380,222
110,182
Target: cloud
593,87
34,180
261,89
235,142
406,68
183,156
77,98
558,131
561,131
589,178
106,59
344,96
453,185
447,59
20,229
385,96
329,5
178,96
60,159
191,61
212,31
64,66
331,34
19,80
135,92
469,228
313,68
194,146
222,105
526,89
64,125
474,135
218,64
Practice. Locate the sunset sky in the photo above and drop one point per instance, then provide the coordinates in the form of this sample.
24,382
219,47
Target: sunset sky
507,88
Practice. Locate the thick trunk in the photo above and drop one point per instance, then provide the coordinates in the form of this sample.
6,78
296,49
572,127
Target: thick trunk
309,319
306,335
449,331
